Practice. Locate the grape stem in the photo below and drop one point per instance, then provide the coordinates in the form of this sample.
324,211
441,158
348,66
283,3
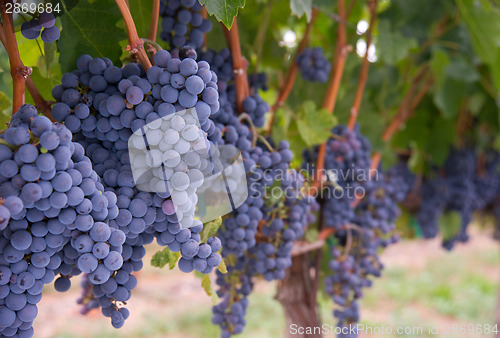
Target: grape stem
246,117
363,76
293,71
40,103
18,71
156,46
136,44
153,28
239,64
331,94
204,15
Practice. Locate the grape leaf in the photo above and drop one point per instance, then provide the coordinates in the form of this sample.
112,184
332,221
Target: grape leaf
210,229
301,7
449,97
223,10
164,257
4,101
206,284
392,46
90,29
4,110
222,267
44,85
314,124
142,11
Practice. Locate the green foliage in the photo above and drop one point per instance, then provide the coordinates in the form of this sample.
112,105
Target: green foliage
392,45
90,28
142,11
164,257
449,224
483,22
210,229
223,10
301,7
314,125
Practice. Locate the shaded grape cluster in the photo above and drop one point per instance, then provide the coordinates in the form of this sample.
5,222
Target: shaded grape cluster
313,65
183,23
41,26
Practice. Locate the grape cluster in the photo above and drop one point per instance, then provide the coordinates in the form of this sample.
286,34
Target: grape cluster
258,81
268,253
461,187
42,26
362,206
104,106
183,23
59,218
313,65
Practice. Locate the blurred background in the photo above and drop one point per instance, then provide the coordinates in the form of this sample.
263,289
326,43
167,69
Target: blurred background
422,286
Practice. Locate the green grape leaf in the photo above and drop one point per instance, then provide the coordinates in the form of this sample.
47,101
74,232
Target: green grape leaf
281,123
449,224
49,50
44,85
483,23
90,29
210,229
314,125
460,70
222,267
297,144
392,46
206,284
223,10
301,7
449,97
5,111
142,11
28,50
4,101
164,257
439,62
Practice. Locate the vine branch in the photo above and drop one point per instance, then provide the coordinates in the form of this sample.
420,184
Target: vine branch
407,105
40,103
136,44
239,64
363,76
330,99
18,71
153,28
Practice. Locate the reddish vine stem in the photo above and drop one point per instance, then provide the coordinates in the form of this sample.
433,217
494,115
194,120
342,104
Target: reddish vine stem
363,76
153,28
204,15
330,99
293,70
40,103
406,105
239,64
136,44
18,71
